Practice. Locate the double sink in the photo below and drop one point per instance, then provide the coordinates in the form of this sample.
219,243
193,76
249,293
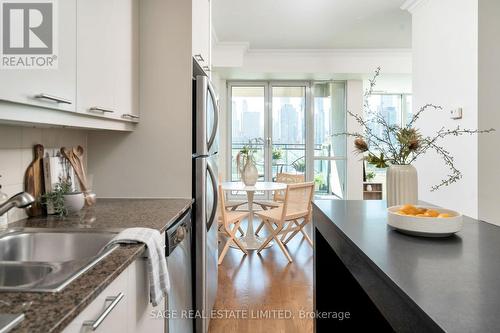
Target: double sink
47,260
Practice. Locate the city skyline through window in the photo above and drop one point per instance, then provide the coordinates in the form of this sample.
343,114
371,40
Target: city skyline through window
278,115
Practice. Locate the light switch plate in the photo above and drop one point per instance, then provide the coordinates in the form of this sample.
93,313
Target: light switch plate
456,113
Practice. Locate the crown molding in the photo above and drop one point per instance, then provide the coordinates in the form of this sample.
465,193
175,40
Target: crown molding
329,52
411,5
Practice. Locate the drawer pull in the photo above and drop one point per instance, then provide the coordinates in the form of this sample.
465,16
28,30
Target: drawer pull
130,116
99,109
53,98
94,324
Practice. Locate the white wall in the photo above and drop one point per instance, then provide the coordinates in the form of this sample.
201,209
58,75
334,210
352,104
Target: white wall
445,38
155,160
354,162
391,83
16,153
489,115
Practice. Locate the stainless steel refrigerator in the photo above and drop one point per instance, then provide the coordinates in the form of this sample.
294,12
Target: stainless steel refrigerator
205,185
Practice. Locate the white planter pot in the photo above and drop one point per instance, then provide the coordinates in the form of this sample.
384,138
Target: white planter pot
402,185
74,202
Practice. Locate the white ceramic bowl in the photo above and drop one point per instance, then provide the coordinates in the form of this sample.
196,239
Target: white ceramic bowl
425,226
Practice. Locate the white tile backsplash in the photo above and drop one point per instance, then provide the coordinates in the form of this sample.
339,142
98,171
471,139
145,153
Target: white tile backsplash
16,153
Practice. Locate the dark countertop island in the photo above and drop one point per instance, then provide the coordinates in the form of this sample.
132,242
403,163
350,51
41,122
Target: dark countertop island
392,281
51,312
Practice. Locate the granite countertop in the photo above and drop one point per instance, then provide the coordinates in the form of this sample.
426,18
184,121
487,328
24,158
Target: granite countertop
455,281
51,312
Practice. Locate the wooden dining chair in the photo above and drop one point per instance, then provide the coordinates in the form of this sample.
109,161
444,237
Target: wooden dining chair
279,196
284,219
231,205
231,221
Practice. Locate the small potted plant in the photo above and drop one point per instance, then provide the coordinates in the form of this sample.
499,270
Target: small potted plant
277,154
370,176
63,199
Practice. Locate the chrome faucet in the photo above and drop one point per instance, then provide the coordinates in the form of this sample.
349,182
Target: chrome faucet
20,200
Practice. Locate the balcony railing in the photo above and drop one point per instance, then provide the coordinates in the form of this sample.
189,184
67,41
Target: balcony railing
290,158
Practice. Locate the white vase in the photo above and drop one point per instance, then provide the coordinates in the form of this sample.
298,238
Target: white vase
74,202
402,185
249,174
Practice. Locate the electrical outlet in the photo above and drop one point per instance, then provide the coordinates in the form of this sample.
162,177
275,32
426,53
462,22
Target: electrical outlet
456,113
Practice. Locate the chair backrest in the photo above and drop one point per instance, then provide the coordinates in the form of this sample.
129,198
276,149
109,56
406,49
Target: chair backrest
298,200
287,178
222,203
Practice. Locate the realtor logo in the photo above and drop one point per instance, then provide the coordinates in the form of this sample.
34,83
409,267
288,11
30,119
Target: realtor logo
28,34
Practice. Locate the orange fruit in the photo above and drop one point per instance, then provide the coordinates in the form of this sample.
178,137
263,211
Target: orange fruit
422,210
409,209
432,213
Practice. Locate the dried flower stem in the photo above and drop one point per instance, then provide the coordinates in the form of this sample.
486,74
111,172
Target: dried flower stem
401,145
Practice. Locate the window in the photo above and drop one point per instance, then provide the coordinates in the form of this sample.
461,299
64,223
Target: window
329,150
396,110
297,123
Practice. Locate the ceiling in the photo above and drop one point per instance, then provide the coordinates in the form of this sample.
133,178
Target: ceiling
312,24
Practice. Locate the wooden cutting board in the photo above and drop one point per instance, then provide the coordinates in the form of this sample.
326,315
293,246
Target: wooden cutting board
34,181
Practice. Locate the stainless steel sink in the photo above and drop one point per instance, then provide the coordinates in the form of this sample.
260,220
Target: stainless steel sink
33,259
23,274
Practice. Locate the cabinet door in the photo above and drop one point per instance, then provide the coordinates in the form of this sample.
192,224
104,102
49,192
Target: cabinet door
26,86
96,70
126,59
143,316
116,321
108,58
201,31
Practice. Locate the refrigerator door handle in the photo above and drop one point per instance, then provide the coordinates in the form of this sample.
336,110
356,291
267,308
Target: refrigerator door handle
216,115
216,197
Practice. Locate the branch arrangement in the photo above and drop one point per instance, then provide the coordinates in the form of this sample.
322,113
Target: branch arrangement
402,145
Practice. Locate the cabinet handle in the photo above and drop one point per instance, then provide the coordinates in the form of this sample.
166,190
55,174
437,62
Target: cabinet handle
94,324
99,109
199,57
53,98
130,116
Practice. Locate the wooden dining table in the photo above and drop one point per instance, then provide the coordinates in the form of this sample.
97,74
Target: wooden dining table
250,240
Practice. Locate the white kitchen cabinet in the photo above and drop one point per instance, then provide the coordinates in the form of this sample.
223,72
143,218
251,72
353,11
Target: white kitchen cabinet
202,32
108,58
142,315
24,85
133,313
114,322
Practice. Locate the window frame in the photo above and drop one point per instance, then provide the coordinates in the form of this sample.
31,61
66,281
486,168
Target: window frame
309,123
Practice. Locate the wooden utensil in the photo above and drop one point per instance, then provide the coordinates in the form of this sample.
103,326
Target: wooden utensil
90,197
78,154
76,162
34,181
68,153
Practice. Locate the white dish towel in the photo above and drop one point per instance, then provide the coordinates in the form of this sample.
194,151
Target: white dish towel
159,282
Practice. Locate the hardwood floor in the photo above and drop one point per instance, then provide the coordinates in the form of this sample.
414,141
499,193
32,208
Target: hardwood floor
264,293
